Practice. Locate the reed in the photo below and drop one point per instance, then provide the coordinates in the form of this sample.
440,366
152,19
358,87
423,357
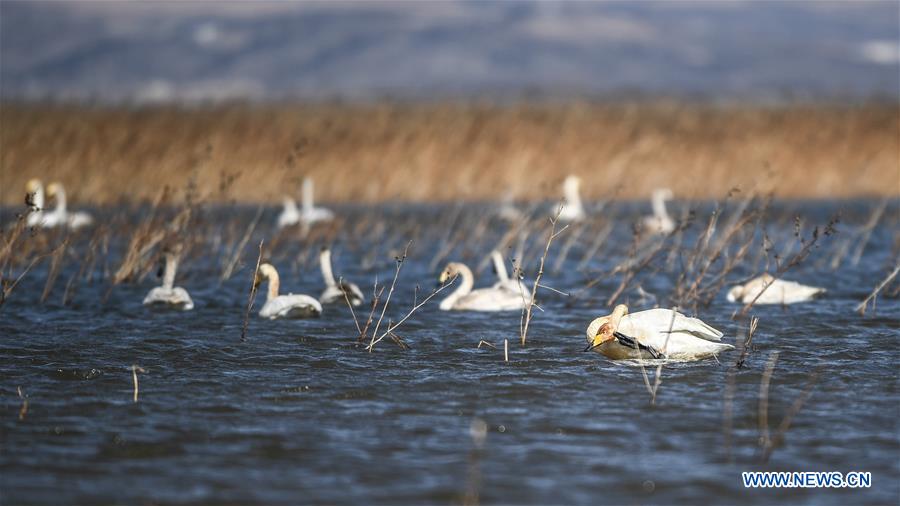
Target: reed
455,151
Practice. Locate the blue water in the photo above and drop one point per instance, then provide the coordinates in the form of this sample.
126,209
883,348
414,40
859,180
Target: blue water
297,413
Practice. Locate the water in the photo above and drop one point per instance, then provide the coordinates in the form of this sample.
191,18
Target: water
298,414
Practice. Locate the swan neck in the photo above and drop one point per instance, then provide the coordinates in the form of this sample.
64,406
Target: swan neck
325,266
499,266
464,288
169,273
274,283
572,196
308,191
659,206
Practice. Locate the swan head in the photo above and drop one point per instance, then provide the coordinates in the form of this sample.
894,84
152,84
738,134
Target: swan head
53,189
663,194
33,185
266,271
603,329
449,272
735,294
572,183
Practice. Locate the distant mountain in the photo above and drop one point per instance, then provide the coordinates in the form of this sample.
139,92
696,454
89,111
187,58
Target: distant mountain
160,51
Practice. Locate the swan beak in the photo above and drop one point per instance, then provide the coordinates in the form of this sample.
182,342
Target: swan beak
601,337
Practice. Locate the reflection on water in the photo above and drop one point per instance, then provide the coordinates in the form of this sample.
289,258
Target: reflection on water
297,413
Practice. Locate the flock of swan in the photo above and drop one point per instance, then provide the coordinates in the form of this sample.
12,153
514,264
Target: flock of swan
649,334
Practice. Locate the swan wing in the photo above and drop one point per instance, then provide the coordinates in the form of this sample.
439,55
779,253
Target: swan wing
660,321
291,306
491,299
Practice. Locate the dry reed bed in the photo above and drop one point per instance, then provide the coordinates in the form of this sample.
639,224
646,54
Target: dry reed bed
441,152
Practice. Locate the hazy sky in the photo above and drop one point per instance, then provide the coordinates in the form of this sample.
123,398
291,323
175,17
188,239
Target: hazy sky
201,50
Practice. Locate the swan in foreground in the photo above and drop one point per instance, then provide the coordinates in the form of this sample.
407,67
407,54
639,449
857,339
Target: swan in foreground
572,209
660,222
73,220
622,335
334,291
168,294
483,299
284,306
774,291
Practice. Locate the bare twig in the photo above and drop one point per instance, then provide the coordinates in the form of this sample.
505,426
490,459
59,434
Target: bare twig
537,280
252,295
134,370
862,306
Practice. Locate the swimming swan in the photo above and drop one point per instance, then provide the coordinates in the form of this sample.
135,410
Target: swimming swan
311,214
483,299
167,294
73,220
777,291
660,222
290,215
572,209
284,306
38,217
620,335
504,282
334,292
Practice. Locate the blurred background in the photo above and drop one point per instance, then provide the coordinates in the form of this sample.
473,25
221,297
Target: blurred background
478,100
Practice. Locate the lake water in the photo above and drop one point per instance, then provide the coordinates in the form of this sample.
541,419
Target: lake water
297,413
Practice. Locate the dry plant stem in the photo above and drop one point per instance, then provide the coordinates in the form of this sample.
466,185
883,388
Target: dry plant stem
796,259
55,261
745,348
347,300
236,254
252,295
866,231
862,306
392,327
506,350
763,414
486,344
24,409
8,290
789,416
537,280
134,370
387,301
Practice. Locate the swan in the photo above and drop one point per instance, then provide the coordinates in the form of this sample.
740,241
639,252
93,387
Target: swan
290,215
774,291
620,335
167,294
572,209
508,210
311,214
38,217
284,306
334,292
73,220
483,299
505,283
660,222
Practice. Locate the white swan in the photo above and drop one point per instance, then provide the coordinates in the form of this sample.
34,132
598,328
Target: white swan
168,294
39,216
334,291
660,222
309,213
774,291
73,220
504,282
483,299
508,210
284,306
290,215
572,209
622,335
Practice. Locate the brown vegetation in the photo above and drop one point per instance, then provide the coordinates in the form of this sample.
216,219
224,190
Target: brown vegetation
378,152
